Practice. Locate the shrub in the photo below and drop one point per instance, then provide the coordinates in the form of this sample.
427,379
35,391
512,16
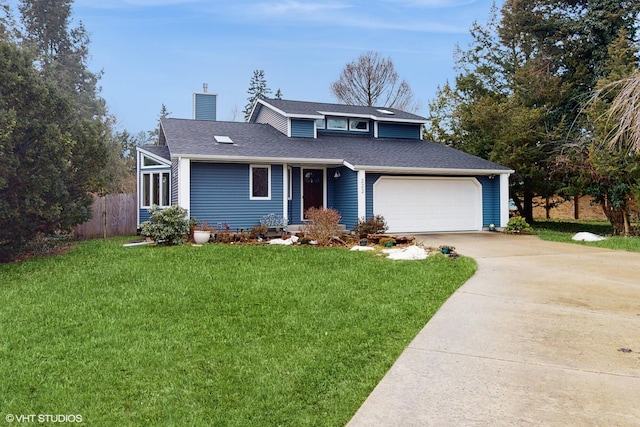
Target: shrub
223,233
323,226
517,225
258,231
273,221
168,226
374,225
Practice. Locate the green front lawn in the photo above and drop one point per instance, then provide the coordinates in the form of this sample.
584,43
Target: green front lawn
212,335
564,230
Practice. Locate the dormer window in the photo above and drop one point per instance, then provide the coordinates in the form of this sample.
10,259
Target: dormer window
337,124
359,125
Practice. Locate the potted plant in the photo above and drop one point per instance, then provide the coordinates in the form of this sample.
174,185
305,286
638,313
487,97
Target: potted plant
202,234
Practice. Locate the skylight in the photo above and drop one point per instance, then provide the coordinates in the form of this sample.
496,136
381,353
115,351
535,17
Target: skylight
223,139
387,112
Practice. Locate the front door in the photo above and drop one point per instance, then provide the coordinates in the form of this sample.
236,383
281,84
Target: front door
312,189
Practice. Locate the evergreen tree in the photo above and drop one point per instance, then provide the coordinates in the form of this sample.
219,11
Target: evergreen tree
154,135
257,89
517,96
62,52
51,157
610,174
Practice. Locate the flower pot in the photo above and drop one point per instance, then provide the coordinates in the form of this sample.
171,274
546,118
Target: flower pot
200,236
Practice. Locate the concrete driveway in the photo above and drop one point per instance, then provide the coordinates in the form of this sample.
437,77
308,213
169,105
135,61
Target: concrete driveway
538,336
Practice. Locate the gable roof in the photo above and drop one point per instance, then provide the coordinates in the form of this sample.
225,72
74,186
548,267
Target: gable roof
255,142
159,151
304,109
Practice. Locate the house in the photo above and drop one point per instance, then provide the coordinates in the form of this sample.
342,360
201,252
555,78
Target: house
293,155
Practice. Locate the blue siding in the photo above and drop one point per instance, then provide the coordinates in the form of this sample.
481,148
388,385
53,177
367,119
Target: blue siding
394,130
490,200
144,215
371,178
205,107
220,193
345,195
302,128
295,203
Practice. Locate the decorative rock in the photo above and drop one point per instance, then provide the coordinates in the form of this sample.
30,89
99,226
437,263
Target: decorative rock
584,236
408,253
362,248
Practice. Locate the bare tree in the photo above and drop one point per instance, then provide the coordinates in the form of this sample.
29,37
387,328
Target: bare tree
372,80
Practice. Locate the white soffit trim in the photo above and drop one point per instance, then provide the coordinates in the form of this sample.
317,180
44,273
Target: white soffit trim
277,160
154,156
440,171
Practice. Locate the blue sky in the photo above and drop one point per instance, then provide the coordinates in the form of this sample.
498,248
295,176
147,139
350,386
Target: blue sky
161,51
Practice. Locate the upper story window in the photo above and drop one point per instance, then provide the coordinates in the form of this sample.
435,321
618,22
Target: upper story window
337,124
148,162
260,182
359,125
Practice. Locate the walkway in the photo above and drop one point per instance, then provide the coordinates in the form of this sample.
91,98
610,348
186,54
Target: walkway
538,336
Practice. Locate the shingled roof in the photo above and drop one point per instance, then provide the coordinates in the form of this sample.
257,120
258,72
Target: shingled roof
304,109
253,142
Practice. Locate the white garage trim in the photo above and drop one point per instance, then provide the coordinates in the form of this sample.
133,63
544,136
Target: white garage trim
428,204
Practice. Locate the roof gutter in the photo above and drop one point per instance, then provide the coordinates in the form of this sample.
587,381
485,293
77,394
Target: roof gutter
249,159
430,171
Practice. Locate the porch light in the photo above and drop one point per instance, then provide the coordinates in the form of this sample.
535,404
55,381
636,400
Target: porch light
336,175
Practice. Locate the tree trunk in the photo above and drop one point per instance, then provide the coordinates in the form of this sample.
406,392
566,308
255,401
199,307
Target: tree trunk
528,206
547,208
576,207
615,216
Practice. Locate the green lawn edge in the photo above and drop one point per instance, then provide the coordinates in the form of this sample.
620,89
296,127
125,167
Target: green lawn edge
213,335
564,230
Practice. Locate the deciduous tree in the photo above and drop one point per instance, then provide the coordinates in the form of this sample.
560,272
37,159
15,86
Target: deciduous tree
373,81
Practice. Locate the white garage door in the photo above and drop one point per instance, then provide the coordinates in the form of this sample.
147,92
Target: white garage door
418,204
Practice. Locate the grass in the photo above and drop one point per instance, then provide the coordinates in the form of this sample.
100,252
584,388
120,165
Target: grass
563,231
217,335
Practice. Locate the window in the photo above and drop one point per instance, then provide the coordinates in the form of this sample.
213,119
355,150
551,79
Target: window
146,161
319,123
260,182
337,124
359,125
156,189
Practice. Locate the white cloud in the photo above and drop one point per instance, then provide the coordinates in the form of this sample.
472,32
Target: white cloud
293,8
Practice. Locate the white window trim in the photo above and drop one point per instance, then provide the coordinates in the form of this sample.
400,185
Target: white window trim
290,183
251,168
358,121
150,189
160,166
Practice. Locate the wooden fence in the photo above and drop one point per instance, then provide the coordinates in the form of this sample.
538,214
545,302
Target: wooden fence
113,215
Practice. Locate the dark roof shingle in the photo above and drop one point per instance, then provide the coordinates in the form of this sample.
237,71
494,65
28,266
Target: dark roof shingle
252,141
